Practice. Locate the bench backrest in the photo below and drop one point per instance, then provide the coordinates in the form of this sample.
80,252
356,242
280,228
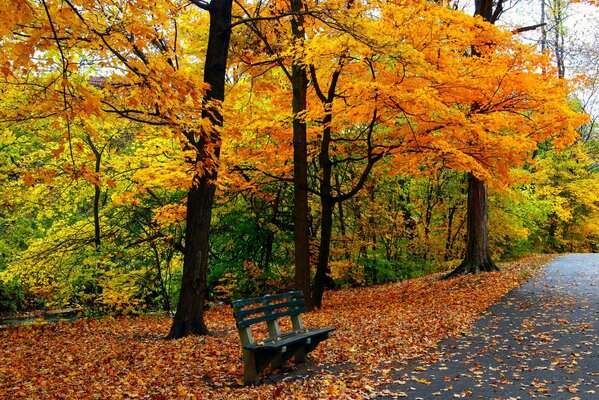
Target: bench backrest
268,309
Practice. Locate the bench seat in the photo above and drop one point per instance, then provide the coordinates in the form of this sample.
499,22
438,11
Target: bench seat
278,347
290,339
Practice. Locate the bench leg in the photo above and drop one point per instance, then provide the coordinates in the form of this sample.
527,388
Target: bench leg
277,362
250,373
300,355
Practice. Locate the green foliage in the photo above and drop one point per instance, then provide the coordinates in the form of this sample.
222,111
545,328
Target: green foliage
251,250
399,228
12,296
379,269
51,256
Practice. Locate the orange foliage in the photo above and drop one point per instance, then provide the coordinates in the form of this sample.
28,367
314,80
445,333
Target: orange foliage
377,329
437,105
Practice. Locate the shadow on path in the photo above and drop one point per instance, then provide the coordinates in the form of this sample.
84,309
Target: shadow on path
540,341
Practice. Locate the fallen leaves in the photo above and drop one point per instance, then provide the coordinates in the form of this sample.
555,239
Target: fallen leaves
378,328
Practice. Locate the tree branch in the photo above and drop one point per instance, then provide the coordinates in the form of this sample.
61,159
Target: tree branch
201,4
527,28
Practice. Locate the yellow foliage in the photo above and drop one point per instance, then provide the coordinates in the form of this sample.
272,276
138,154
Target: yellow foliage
344,269
119,291
225,289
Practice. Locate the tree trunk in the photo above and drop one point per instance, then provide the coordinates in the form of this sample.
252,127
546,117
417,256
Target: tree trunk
165,298
270,237
543,28
323,279
97,191
485,8
371,226
559,15
478,257
189,318
554,244
299,83
448,243
97,194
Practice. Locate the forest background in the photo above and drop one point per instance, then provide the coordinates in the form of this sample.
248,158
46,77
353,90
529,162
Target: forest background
108,131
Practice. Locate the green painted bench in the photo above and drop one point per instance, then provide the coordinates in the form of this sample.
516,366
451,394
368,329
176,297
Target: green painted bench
278,347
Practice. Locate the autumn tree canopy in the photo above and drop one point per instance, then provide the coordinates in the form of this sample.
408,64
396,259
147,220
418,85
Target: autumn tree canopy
116,119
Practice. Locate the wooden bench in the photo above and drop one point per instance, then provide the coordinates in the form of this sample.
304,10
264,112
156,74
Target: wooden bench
277,347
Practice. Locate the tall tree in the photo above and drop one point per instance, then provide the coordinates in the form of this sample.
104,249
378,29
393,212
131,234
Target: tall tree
478,257
147,79
299,84
189,317
328,161
344,143
291,62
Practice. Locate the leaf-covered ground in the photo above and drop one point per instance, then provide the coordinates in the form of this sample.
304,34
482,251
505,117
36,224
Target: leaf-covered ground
539,341
378,330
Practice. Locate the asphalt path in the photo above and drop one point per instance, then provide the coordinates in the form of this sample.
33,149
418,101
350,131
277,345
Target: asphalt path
540,341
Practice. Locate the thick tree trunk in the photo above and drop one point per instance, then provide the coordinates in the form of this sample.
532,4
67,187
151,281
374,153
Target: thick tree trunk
299,83
485,8
189,318
478,257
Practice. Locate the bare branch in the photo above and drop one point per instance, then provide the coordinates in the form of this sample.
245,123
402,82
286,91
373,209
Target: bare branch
527,28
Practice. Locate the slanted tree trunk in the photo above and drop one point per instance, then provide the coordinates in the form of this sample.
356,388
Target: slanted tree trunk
189,318
477,258
299,83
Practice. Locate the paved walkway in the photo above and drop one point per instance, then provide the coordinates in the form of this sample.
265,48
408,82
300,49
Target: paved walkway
540,341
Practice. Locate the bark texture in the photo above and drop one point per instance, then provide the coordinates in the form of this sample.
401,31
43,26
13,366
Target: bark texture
189,318
299,83
478,258
322,278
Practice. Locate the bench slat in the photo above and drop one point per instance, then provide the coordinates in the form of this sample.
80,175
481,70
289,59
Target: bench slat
268,308
290,339
270,317
264,299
